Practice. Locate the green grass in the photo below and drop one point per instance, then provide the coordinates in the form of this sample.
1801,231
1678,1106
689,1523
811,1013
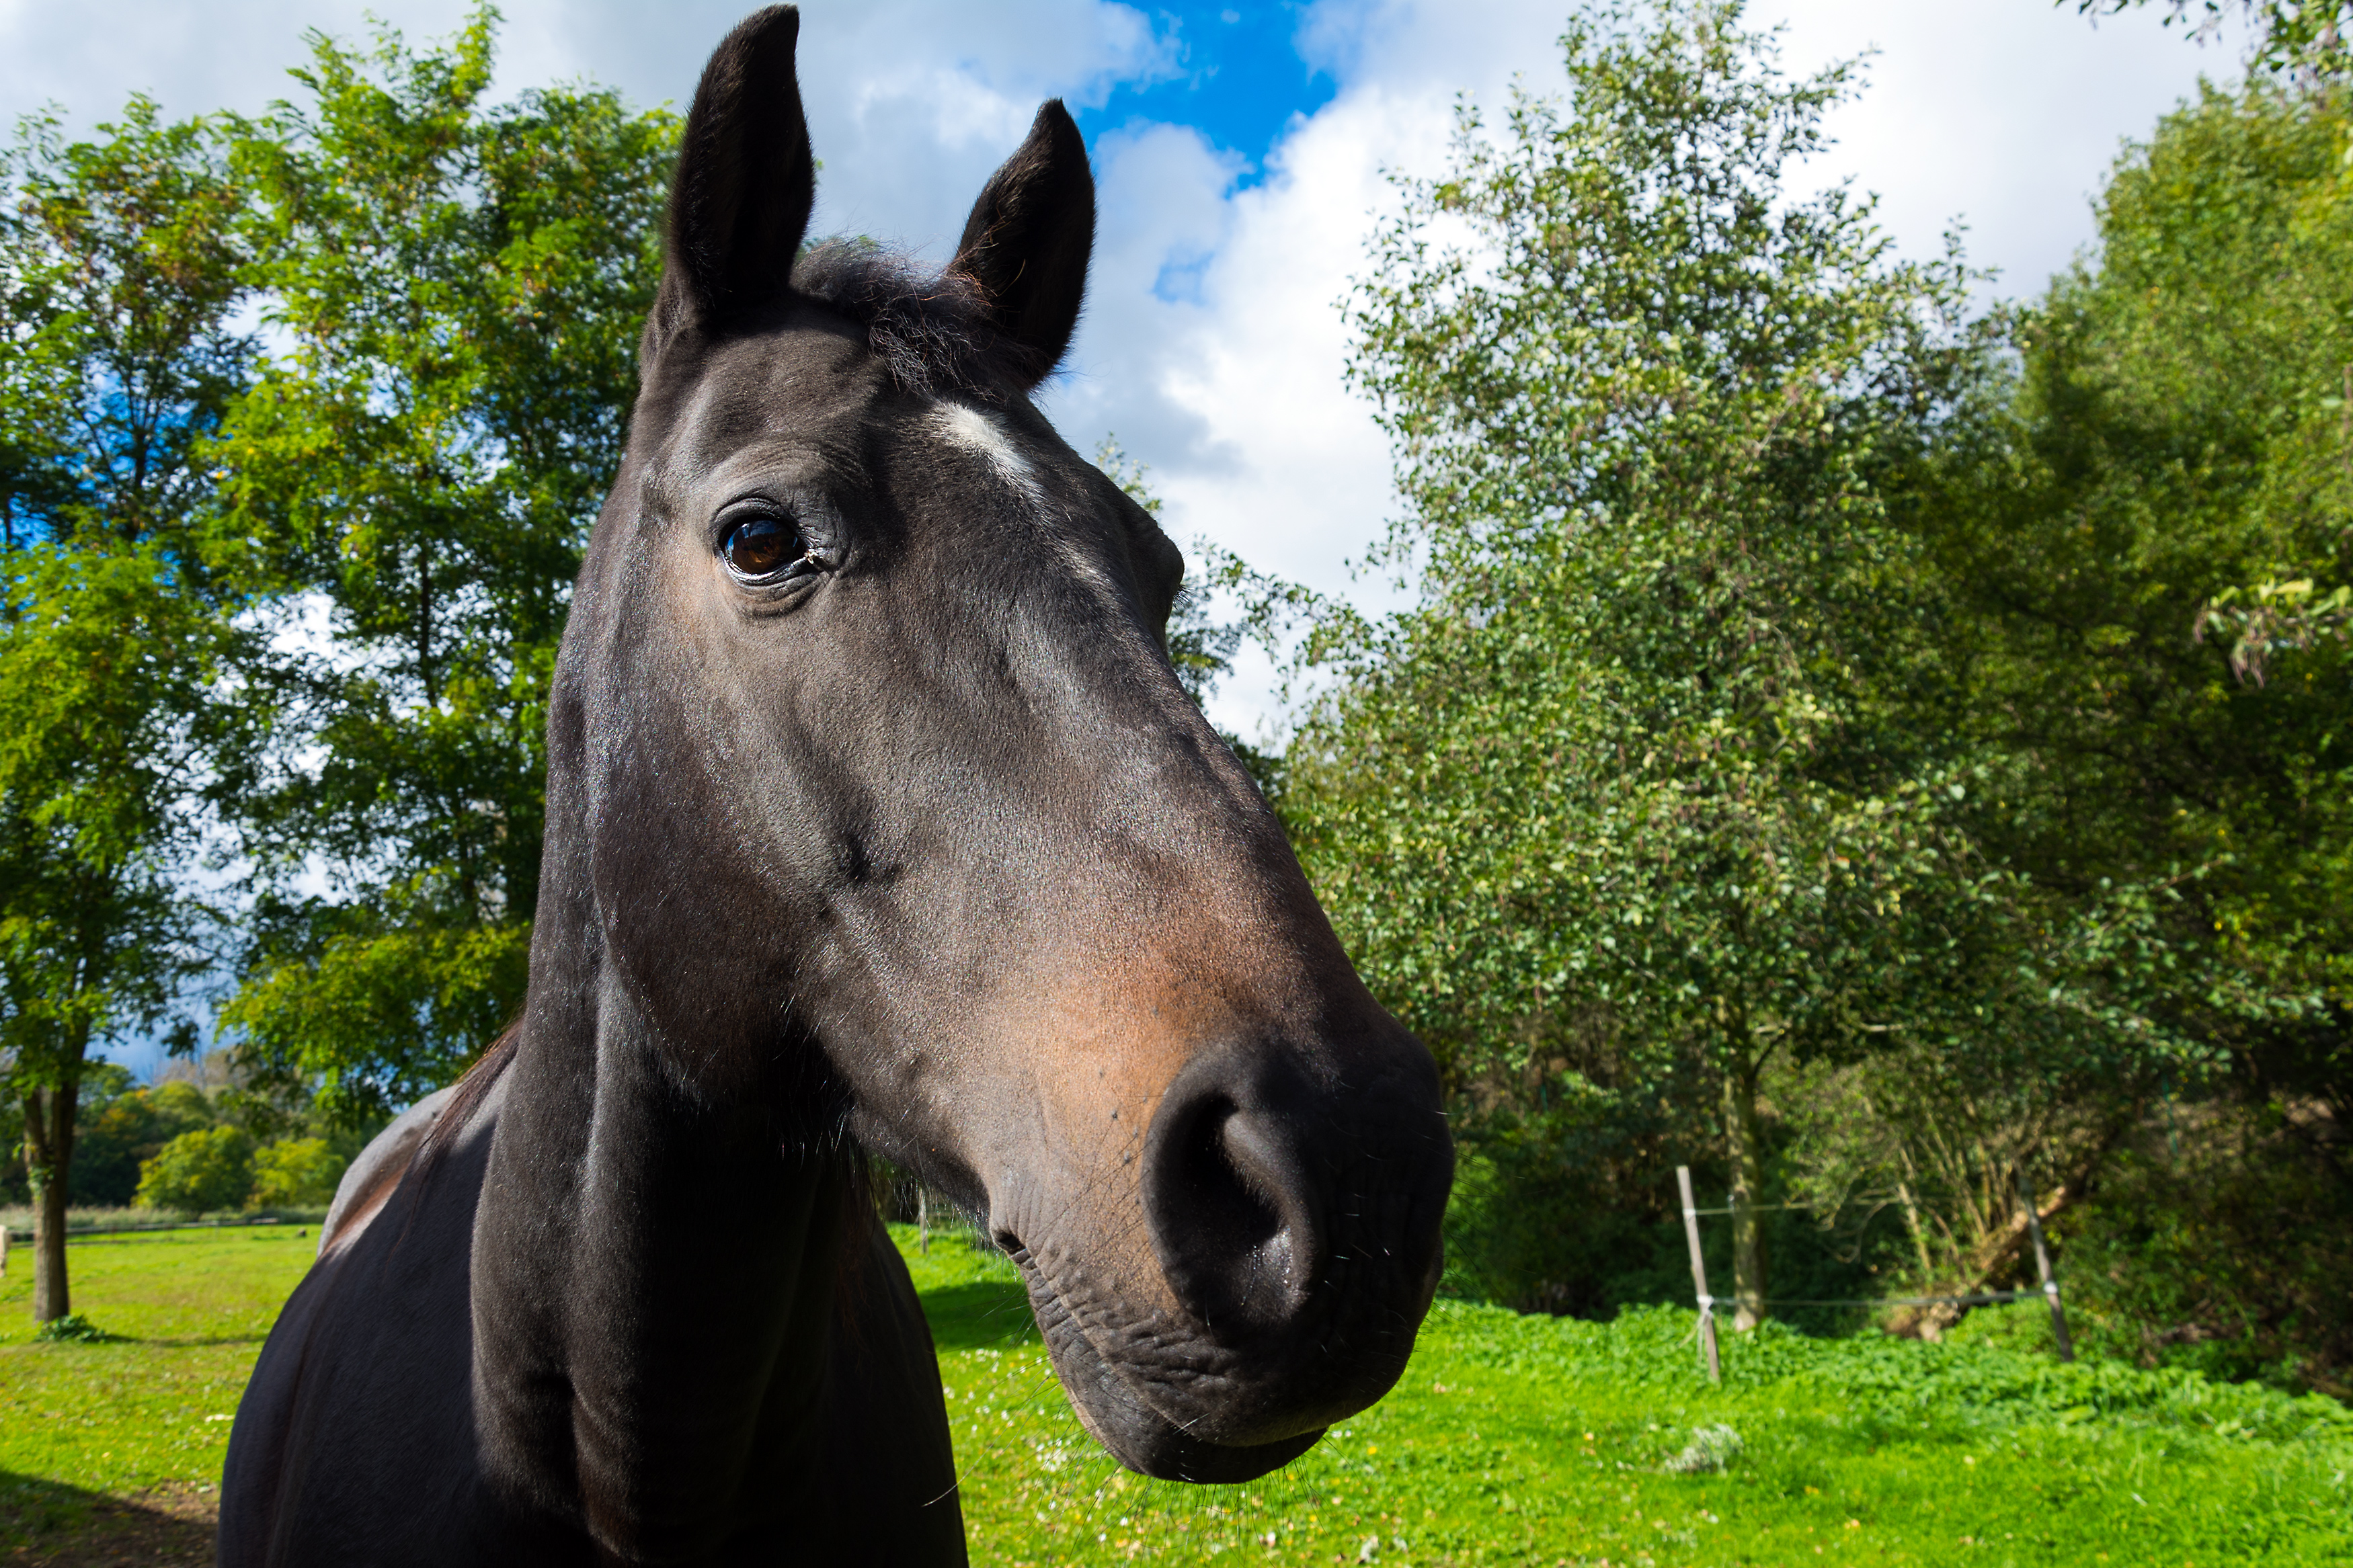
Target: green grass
143,1418
19,1219
1531,1440
193,1307
1512,1441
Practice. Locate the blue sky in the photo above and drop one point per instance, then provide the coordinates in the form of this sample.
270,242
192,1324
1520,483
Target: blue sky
1237,75
1239,154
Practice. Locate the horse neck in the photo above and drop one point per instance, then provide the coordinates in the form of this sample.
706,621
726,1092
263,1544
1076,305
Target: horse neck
653,1272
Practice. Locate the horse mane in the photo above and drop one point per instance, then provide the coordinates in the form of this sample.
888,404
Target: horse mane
473,1086
932,328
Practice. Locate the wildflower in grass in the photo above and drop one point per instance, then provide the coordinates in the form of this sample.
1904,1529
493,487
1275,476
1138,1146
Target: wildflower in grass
1710,1450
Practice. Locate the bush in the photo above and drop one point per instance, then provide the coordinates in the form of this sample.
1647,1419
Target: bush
2223,1242
295,1173
198,1172
1543,1235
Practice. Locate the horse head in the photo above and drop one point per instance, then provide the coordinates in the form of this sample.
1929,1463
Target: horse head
894,813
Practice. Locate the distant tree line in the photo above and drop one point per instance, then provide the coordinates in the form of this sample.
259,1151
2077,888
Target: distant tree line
184,1146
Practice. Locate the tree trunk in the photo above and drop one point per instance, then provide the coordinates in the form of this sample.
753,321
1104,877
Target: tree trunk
50,1297
49,1149
1745,1150
2000,1254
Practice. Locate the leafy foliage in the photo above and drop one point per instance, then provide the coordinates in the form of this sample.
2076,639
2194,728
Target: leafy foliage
2179,430
1634,430
2215,1241
2307,36
118,281
1805,696
459,287
1661,766
73,1329
295,1173
199,1172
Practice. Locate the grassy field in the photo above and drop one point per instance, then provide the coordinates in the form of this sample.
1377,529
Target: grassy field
111,1451
1512,1441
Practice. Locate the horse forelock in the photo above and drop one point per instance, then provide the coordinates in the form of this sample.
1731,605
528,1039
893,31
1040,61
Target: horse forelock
929,331
931,328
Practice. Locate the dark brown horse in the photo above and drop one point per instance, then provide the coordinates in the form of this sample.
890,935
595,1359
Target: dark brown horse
876,821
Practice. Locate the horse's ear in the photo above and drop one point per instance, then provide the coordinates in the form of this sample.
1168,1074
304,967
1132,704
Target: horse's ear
739,204
1029,238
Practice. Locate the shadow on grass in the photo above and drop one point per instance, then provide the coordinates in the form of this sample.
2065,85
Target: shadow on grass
983,1315
60,1526
158,1341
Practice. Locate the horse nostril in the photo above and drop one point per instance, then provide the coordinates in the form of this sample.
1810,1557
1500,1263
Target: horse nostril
1227,1210
1228,1182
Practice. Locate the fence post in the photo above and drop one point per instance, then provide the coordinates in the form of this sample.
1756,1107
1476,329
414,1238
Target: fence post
1699,1275
2042,1267
923,1219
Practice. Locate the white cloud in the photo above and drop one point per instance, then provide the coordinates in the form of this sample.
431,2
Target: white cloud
2004,114
2007,113
1231,386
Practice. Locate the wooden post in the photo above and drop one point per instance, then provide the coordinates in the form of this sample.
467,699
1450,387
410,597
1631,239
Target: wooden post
923,1219
1699,1275
2043,1266
3,1250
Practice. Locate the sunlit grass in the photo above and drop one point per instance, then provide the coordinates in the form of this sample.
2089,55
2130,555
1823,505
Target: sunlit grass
1512,1441
150,1411
1515,1440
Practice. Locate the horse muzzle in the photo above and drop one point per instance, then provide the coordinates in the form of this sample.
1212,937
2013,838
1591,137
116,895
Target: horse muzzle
1293,1214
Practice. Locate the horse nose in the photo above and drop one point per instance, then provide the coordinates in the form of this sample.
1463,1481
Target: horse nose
1232,1195
1269,1186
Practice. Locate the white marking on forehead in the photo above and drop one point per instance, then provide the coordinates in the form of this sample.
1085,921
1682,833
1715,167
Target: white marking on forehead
977,433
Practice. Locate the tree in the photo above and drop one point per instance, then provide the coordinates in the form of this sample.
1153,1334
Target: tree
2180,427
2306,35
2179,430
458,288
1665,755
295,1173
118,289
201,1172
2305,41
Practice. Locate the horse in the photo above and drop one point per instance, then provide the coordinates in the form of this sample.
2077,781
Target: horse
878,824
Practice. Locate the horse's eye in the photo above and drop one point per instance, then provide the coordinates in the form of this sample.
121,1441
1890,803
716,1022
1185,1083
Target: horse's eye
762,546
